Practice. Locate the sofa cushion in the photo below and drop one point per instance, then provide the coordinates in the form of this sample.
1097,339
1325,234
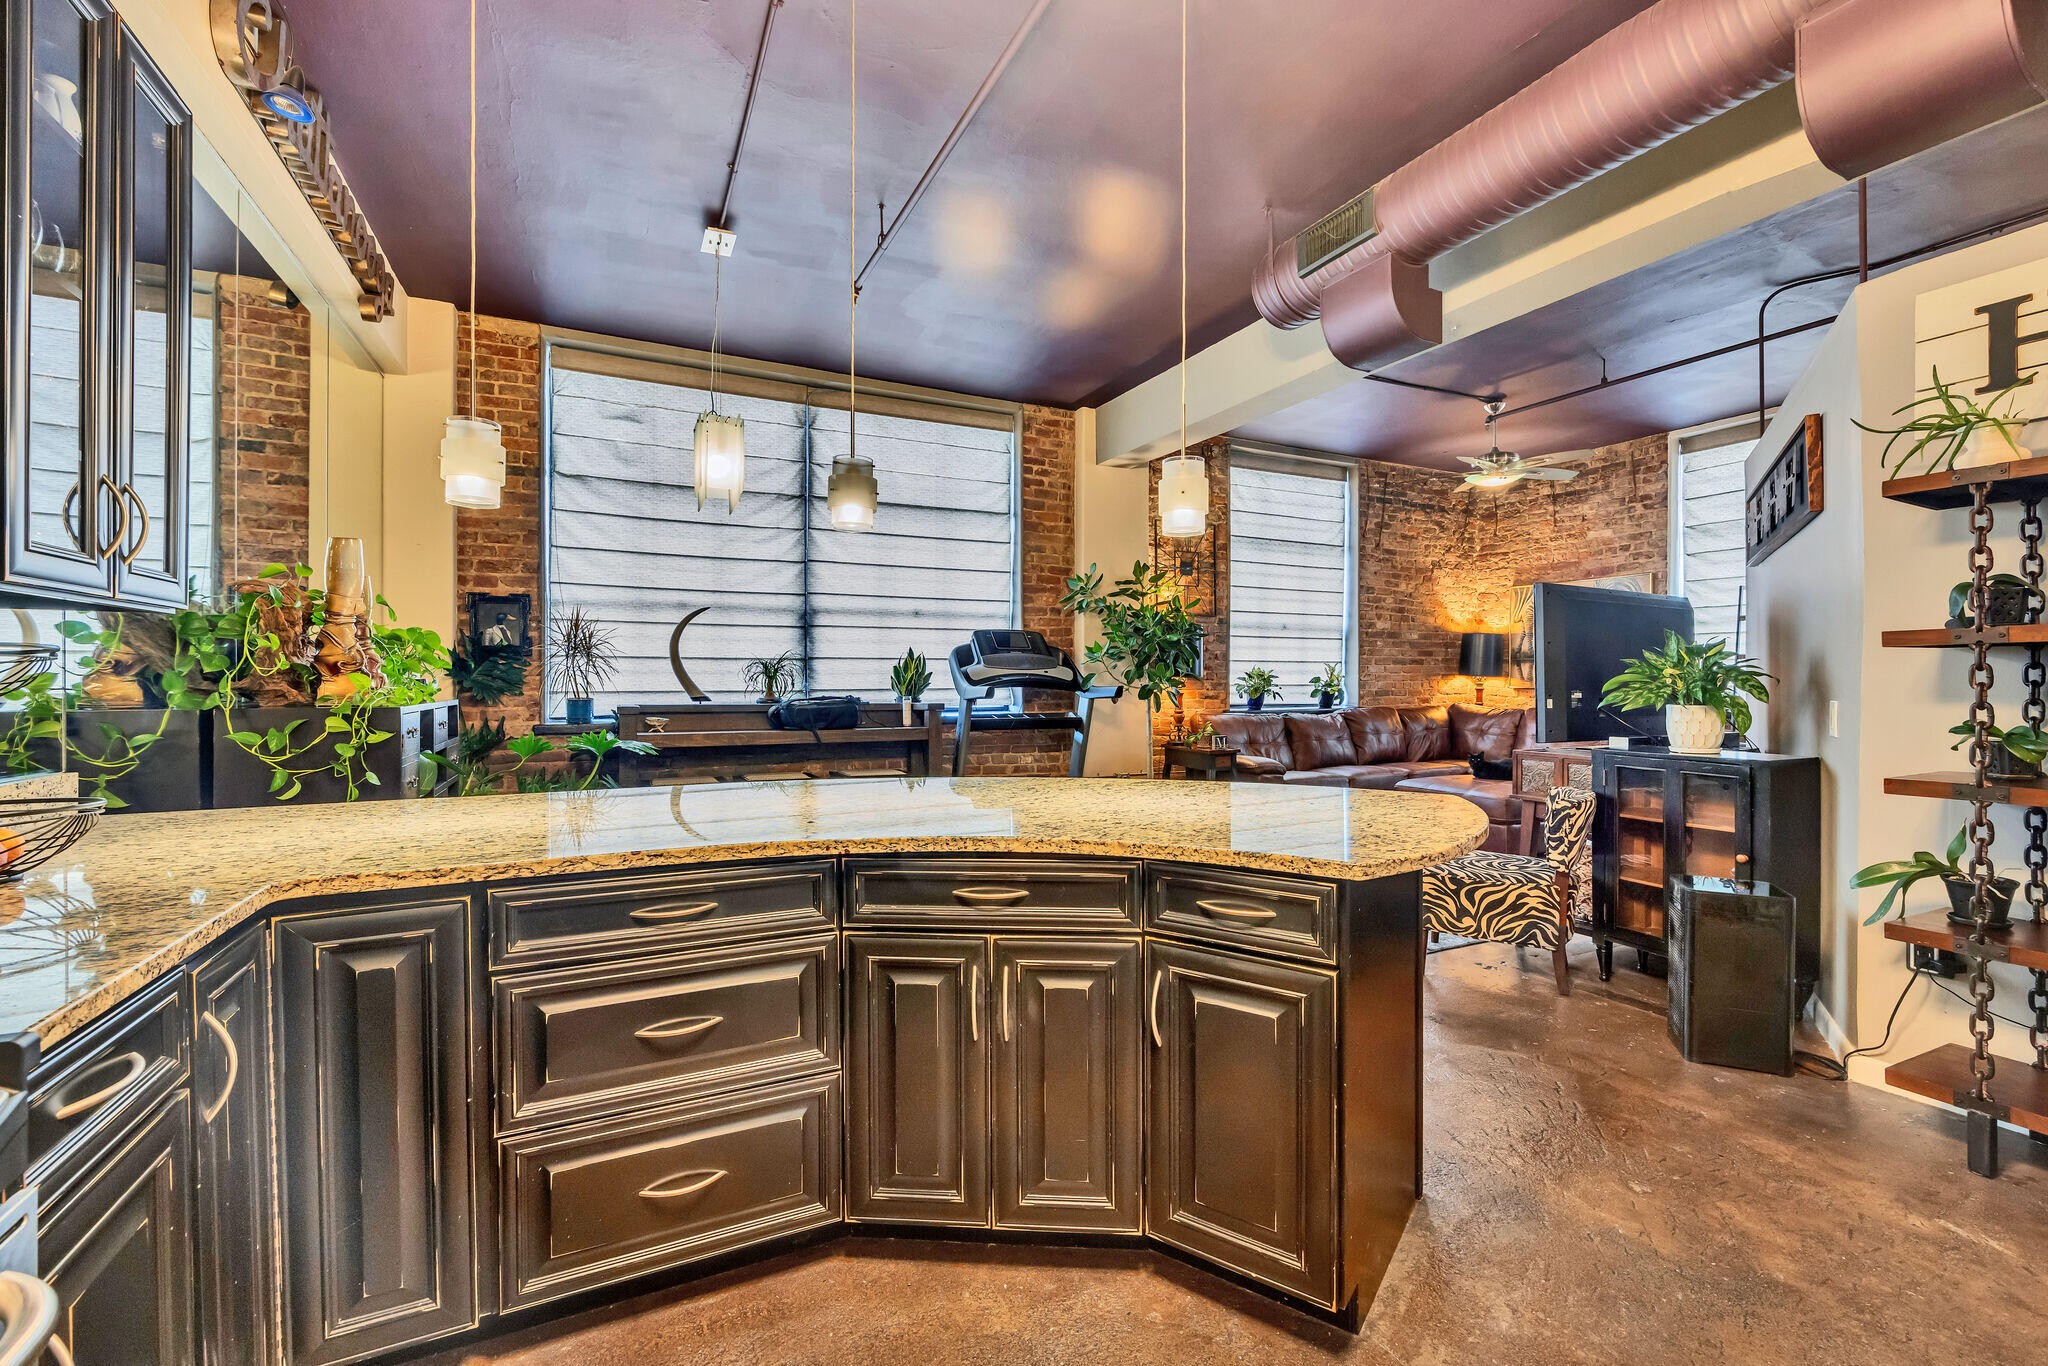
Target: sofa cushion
1320,741
1255,733
1258,766
1376,734
1336,776
1427,733
1496,799
1493,733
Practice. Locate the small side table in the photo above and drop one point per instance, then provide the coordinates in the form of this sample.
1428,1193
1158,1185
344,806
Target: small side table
1207,764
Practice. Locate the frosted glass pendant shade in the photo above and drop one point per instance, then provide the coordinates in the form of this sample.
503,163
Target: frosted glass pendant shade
1183,496
851,493
472,462
721,444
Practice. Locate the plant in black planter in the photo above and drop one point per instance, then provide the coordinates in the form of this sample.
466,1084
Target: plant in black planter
582,659
1901,874
1255,686
2010,601
1328,687
2015,753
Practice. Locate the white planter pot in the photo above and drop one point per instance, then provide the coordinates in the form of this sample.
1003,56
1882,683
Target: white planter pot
1694,730
1987,447
907,706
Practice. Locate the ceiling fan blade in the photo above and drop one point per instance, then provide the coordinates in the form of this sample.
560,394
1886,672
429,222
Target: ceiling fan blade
1557,472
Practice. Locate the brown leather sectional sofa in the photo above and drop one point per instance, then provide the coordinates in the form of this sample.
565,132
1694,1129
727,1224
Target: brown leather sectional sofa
1416,749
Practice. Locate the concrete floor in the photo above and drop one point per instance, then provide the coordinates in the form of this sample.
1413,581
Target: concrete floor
1590,1198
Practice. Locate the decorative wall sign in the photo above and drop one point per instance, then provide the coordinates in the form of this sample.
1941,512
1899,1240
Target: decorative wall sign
253,43
1788,495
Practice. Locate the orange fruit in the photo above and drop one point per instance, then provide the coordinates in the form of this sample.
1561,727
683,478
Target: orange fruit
11,846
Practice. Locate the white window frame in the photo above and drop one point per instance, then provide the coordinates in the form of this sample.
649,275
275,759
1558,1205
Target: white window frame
1674,498
1348,471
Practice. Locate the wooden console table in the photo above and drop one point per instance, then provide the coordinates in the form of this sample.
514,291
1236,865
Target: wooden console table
728,742
1538,769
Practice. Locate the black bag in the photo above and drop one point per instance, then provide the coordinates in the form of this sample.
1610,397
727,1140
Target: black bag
815,714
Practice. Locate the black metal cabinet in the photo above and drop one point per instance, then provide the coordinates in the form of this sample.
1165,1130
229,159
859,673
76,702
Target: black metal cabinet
232,1200
382,1099
96,293
1662,815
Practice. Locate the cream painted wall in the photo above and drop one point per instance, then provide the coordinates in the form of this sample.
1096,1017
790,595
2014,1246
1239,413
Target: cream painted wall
1111,528
345,465
419,528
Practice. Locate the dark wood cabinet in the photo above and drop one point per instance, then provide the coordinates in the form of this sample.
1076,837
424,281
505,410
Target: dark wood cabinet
1068,1084
117,1248
232,1191
1242,1142
378,1106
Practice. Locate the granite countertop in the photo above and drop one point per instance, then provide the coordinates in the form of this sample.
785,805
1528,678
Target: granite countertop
140,894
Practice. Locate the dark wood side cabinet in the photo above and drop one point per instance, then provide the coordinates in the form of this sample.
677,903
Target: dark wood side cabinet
1733,815
377,1100
233,1208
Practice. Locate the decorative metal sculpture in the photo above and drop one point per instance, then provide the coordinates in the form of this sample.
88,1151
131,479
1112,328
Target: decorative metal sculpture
675,656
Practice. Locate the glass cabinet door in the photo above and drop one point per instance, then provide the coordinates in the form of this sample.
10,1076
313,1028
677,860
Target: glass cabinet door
1639,848
59,503
1710,832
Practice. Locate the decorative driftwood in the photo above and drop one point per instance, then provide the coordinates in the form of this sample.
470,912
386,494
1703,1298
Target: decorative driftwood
272,680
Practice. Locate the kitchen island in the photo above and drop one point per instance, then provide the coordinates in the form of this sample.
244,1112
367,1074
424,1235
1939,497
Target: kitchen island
382,1074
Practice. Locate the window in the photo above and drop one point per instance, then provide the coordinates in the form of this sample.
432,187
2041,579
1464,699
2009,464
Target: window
628,544
1292,567
1707,497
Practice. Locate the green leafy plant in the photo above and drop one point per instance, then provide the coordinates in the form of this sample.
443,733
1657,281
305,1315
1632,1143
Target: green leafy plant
582,656
2024,743
1328,683
911,676
773,677
1959,596
1150,642
1902,874
1256,684
488,673
1950,419
476,775
1683,674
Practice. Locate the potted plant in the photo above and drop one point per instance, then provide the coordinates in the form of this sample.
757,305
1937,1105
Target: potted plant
1255,686
773,677
1150,642
910,678
582,659
2009,601
1703,689
1901,874
2015,753
1328,687
1955,431
472,772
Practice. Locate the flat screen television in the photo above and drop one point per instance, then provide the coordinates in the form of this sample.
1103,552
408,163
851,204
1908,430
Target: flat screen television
1580,637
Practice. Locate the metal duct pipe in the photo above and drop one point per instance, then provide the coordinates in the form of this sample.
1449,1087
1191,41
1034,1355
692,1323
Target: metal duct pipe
1669,69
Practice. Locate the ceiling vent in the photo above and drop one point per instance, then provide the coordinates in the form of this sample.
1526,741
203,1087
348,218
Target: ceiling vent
1335,233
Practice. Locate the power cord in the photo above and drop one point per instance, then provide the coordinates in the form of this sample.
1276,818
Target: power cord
1833,1069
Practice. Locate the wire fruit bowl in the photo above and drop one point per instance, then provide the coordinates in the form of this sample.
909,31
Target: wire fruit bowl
34,830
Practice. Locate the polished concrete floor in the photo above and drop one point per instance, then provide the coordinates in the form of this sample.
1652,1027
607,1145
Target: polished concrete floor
1590,1198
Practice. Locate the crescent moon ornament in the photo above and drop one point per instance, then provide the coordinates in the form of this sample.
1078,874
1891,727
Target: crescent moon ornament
675,657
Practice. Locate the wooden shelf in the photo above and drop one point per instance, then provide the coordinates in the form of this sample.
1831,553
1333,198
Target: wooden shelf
1961,786
2014,481
1651,817
1953,638
1940,1074
2025,942
1638,880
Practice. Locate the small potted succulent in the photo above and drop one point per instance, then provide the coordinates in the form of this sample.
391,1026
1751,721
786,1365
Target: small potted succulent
1954,431
2015,753
1901,874
1329,687
1703,689
1255,686
2010,601
582,659
773,678
910,677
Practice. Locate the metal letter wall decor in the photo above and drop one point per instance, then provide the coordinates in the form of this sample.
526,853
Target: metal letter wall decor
1789,495
253,42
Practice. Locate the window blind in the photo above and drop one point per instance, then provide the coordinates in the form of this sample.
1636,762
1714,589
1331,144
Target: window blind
1290,569
1711,527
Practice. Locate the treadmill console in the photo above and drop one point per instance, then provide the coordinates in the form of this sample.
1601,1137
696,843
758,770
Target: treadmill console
1012,659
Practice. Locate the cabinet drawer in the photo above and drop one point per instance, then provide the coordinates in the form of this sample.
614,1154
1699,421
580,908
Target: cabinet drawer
1293,916
599,1203
998,892
94,1082
560,920
577,1040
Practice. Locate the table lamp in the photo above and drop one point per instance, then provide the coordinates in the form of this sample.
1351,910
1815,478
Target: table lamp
1479,658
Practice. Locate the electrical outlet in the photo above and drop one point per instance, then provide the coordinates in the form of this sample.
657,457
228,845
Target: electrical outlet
1940,962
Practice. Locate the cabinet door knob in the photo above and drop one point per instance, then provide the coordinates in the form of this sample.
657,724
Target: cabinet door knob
680,1028
234,1056
142,533
682,1184
671,911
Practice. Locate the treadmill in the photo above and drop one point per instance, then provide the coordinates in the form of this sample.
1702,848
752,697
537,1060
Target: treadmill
992,661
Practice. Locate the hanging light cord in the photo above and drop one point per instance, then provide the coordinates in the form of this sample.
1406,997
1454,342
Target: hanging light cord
717,286
852,224
472,208
1183,228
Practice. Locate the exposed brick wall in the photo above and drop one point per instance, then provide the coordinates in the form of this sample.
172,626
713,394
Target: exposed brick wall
1209,694
266,398
1046,493
1437,557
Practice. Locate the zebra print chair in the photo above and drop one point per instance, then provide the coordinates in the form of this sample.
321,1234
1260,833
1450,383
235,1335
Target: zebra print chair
1517,898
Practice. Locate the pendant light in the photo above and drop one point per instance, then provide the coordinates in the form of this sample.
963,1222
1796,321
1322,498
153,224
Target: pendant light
720,442
1183,478
851,492
472,447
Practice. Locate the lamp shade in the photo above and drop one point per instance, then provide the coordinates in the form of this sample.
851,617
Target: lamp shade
851,493
472,462
721,471
1183,496
1480,654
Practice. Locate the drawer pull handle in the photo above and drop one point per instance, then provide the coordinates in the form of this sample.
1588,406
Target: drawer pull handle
1230,912
227,1041
681,1185
59,1353
1152,1008
990,896
133,1065
681,1028
974,1004
675,910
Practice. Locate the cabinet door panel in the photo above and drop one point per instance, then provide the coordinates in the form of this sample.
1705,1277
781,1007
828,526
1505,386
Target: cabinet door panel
1242,1166
1067,1084
232,1215
917,1079
374,1054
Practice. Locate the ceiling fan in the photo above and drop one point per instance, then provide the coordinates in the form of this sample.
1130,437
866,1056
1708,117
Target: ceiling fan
1498,468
